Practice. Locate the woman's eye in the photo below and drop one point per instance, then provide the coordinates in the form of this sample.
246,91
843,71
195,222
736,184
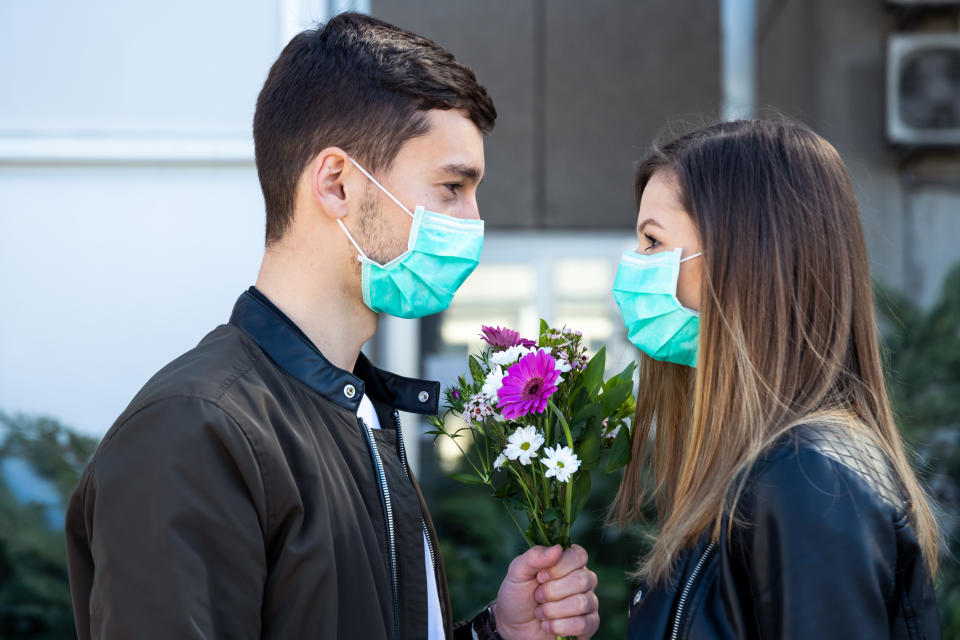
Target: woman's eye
653,242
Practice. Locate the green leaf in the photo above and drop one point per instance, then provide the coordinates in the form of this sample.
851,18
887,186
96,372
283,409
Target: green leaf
588,449
544,327
590,414
476,370
627,373
581,492
620,452
505,491
579,398
552,514
593,374
613,397
466,478
516,502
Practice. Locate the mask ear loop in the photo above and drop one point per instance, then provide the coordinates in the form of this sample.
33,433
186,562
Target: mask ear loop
382,188
699,253
353,242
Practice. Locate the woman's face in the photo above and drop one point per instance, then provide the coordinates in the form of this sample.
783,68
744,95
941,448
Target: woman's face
663,225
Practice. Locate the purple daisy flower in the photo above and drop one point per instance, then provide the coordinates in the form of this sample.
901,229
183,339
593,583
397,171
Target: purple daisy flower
528,385
503,337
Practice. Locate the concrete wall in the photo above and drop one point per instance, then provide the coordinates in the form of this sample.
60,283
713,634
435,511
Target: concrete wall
581,89
823,62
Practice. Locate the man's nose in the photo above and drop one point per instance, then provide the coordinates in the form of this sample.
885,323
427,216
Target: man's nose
472,210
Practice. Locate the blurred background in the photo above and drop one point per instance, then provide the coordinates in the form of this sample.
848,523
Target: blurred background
131,218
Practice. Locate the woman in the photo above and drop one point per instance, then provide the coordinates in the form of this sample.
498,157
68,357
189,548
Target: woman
764,434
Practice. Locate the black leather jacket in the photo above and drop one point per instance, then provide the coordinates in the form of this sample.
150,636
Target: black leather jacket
239,496
827,551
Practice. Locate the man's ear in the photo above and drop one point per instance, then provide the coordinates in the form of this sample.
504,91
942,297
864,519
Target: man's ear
328,180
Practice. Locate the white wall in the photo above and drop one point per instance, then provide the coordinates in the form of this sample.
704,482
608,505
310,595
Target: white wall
130,213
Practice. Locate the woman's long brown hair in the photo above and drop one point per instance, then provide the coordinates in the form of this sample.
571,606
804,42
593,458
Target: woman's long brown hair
787,332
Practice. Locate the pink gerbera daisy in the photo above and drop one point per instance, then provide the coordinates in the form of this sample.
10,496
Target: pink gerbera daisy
528,385
503,337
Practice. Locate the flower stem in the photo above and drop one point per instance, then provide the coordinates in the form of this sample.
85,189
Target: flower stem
480,474
533,506
523,532
568,491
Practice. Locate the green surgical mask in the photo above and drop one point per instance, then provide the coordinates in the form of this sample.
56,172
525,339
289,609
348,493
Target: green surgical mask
442,252
645,289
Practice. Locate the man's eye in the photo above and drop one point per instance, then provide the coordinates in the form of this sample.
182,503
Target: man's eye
653,241
453,186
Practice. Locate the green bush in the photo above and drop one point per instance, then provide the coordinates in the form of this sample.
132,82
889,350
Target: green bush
922,353
34,592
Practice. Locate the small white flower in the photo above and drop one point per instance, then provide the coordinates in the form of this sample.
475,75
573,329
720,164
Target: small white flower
476,409
500,461
523,444
561,463
563,365
493,383
508,355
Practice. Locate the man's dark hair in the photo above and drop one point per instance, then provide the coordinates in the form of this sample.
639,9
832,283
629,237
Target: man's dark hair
357,83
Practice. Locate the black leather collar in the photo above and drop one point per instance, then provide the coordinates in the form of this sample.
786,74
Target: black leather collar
290,348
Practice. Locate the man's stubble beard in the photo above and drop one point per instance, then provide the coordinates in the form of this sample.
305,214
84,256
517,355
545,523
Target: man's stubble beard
380,242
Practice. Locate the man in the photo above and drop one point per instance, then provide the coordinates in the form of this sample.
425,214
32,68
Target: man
257,486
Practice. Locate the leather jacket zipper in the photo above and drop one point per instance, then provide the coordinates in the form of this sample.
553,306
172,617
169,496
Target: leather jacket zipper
688,587
406,468
388,513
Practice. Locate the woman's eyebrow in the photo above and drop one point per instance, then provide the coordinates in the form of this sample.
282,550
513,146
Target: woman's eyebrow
649,221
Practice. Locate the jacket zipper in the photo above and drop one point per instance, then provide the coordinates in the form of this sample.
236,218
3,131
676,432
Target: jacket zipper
406,468
687,587
388,513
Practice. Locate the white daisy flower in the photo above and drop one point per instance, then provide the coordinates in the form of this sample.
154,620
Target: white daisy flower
500,461
523,444
509,355
563,365
561,463
493,383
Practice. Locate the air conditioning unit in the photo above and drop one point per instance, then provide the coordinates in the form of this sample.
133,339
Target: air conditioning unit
923,89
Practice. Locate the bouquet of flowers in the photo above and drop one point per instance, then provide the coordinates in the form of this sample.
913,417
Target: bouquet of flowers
536,417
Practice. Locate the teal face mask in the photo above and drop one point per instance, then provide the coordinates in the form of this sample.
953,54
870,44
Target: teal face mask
441,253
645,289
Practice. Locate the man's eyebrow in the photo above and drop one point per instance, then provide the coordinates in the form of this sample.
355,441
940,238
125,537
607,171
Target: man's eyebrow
473,174
649,221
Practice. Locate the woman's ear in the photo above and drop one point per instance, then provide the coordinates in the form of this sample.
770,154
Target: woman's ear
327,179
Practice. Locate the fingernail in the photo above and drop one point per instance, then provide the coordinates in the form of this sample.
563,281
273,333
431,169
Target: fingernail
539,595
538,613
542,577
545,626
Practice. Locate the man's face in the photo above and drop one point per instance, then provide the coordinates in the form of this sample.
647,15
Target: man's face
440,170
